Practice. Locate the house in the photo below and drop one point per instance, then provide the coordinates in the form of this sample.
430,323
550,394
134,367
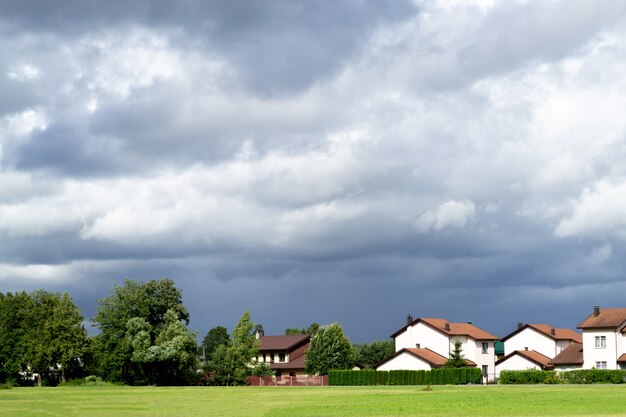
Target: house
542,338
569,359
533,346
604,339
520,360
284,354
426,343
415,359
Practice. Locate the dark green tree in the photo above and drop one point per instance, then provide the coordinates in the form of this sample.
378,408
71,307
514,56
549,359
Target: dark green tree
329,349
312,329
368,355
456,359
149,301
232,364
15,311
215,337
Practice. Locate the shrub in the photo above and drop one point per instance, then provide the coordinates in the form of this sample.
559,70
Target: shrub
442,376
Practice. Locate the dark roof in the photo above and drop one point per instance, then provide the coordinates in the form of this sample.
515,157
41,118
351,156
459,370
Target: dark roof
455,329
284,343
571,355
607,318
546,329
432,358
531,355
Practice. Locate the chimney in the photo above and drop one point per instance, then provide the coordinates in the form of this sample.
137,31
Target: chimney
553,332
520,325
469,322
447,327
409,319
596,311
525,347
258,335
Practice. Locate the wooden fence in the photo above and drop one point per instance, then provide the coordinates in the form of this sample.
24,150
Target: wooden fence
288,381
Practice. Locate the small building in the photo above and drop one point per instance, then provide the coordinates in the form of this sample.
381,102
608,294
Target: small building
415,359
542,338
284,354
569,359
604,339
421,339
521,360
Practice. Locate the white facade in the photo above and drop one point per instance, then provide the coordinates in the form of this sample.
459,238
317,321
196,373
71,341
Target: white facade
515,363
601,349
405,361
423,335
532,339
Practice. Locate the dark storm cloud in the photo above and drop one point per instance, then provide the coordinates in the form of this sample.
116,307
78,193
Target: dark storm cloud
277,47
342,161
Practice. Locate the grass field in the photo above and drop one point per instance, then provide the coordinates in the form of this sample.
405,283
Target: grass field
552,400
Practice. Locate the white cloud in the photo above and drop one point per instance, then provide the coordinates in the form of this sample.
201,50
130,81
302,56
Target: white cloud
599,211
24,72
452,214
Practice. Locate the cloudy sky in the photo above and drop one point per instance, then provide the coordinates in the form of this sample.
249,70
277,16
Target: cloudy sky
350,161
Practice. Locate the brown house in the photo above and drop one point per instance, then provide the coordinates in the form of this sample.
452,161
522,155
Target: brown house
284,354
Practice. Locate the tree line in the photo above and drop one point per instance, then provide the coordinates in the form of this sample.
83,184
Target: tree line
144,339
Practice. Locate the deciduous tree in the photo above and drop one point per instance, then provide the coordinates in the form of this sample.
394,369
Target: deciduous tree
329,349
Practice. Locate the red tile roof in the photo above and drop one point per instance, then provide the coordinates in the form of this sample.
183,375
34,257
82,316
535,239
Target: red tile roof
454,329
285,343
546,329
532,355
571,355
607,318
434,359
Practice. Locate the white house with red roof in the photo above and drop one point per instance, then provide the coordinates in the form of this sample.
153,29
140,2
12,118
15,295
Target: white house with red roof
426,343
604,339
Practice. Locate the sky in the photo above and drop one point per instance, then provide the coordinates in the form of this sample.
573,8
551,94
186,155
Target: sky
349,161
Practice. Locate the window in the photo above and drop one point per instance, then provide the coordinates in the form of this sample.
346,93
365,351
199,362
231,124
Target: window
485,347
601,365
600,342
272,358
264,357
281,357
485,370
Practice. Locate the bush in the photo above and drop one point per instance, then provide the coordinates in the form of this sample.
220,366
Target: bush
90,380
5,386
580,376
441,376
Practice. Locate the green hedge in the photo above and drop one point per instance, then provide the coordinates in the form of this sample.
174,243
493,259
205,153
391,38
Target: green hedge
581,376
441,376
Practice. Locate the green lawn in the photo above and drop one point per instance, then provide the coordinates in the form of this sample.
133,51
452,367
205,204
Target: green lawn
551,400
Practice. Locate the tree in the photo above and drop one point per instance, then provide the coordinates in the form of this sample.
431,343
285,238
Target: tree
171,356
149,301
368,355
215,337
456,356
67,335
312,329
232,364
329,349
258,329
15,310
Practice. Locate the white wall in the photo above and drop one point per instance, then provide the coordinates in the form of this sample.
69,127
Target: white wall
405,361
591,354
533,340
515,363
426,337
